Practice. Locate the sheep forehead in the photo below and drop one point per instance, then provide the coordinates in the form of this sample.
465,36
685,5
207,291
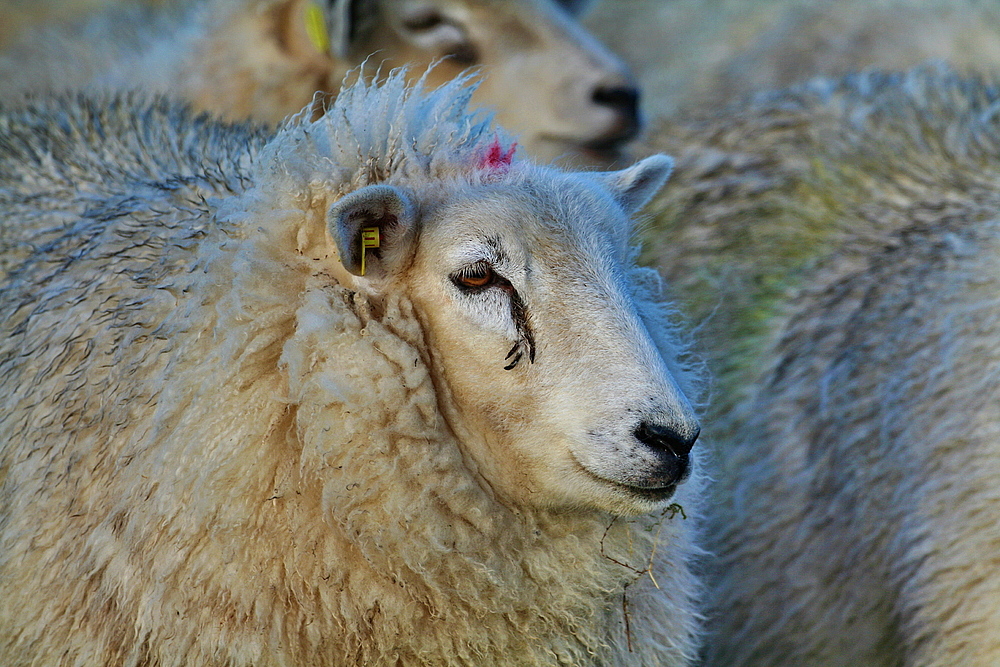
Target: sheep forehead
527,226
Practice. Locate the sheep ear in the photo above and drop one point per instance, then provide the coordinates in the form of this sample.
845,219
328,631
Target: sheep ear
354,219
635,186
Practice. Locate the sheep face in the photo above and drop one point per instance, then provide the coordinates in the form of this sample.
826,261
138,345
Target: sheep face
546,372
547,78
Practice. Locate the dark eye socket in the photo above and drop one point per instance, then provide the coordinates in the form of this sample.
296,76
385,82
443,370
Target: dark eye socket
423,21
449,37
476,277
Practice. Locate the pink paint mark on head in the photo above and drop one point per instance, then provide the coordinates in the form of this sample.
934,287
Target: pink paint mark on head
496,158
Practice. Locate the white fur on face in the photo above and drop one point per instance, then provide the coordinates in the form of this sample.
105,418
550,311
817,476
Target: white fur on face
488,308
568,418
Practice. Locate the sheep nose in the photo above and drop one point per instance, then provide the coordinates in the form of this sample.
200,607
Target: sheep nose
623,100
665,439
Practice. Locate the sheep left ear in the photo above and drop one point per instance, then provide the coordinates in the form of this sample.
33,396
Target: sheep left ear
635,186
373,229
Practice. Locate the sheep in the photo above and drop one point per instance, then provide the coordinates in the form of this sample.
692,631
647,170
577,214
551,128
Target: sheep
767,197
547,78
701,54
852,227
369,391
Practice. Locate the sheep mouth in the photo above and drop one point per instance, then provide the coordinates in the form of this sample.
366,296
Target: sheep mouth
609,143
652,493
601,149
656,494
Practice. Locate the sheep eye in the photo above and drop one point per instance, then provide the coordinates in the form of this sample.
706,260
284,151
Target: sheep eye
423,21
475,277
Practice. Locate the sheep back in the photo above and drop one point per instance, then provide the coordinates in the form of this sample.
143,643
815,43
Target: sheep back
852,222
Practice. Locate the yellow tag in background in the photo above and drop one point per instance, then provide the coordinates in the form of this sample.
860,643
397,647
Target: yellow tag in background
370,238
316,28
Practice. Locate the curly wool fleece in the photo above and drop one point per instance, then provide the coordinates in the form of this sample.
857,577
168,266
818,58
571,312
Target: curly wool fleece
215,454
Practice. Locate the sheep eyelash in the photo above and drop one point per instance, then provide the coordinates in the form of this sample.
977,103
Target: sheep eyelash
519,350
475,269
525,337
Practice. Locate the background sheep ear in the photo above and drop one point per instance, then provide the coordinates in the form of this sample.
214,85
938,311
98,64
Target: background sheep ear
635,186
385,207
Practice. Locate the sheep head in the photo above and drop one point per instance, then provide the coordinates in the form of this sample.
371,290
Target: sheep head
543,73
549,377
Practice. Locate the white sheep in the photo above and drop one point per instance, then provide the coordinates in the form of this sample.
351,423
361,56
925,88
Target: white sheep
852,228
547,78
226,443
705,54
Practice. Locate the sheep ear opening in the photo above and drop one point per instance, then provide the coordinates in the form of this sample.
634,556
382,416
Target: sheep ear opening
635,186
371,228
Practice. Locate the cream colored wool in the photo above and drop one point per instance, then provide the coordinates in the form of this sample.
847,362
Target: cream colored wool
705,55
862,528
218,447
852,225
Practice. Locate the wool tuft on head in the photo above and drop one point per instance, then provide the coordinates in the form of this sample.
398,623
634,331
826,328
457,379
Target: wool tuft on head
497,158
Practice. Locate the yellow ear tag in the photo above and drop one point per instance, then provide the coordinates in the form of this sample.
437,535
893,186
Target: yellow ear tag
316,28
369,239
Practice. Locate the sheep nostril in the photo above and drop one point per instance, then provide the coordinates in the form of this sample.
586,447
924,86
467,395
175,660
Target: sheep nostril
664,438
623,99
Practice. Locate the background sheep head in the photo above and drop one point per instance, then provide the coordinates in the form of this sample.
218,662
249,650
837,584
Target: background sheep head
547,372
545,75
